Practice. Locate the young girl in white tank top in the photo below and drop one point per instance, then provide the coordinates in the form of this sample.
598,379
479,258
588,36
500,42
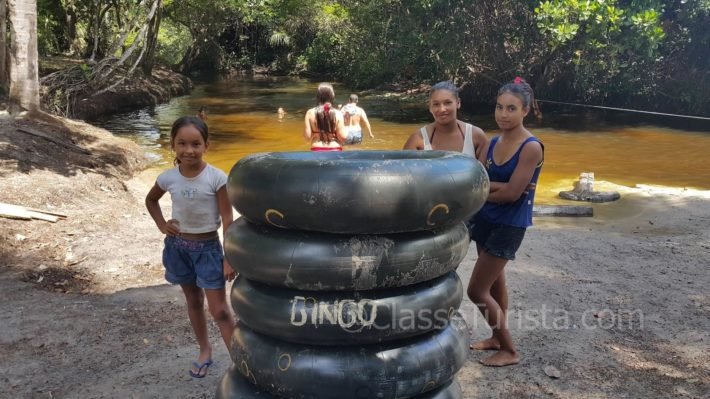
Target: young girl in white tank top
444,103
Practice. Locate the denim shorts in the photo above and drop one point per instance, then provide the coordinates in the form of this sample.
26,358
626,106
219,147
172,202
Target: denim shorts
497,239
354,137
194,262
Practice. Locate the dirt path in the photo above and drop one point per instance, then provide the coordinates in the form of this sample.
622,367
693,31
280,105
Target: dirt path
617,303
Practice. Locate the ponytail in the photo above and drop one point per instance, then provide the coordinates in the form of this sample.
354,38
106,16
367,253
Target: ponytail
325,114
327,122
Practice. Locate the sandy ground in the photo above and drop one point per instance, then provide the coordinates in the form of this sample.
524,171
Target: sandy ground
618,303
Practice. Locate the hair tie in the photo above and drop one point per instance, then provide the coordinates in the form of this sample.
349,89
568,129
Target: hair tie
518,80
326,108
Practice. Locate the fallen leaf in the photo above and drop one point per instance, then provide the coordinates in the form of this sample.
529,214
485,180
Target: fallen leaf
552,372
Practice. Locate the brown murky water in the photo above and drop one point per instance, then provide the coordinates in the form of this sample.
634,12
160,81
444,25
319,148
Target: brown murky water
243,120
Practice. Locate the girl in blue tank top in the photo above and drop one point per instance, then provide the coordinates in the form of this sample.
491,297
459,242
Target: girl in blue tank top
513,160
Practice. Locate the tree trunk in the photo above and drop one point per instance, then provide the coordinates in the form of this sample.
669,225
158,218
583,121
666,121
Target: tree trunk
101,12
101,78
152,40
24,80
126,28
71,20
3,45
188,58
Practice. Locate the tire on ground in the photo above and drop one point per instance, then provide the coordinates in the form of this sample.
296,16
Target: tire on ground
401,369
328,262
356,192
234,385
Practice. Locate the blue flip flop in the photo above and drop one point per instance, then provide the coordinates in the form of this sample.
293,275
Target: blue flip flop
204,366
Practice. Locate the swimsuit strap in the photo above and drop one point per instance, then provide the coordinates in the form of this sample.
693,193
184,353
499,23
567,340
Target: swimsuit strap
469,148
425,138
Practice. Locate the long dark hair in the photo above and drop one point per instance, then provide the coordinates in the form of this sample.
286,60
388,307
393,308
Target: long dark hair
179,123
325,114
521,89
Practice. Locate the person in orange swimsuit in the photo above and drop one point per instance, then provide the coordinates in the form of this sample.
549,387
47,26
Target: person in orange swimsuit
324,125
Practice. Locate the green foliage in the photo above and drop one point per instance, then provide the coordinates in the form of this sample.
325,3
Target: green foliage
173,41
684,85
50,36
279,39
605,47
601,23
402,40
326,53
204,21
616,51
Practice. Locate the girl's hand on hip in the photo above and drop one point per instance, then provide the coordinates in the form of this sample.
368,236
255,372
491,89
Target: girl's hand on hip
229,273
171,228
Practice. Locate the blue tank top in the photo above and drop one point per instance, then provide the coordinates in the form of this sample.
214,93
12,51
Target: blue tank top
518,213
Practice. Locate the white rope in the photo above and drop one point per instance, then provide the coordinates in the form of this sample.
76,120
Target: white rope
627,110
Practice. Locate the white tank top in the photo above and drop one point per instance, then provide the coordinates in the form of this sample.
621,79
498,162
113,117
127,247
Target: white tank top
468,147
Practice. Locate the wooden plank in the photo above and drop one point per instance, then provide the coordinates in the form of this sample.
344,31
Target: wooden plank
61,215
42,216
14,214
563,210
54,140
22,213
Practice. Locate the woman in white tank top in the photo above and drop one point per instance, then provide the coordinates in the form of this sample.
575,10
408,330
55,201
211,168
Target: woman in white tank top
447,133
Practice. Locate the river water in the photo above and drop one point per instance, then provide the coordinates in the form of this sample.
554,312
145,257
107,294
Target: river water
618,147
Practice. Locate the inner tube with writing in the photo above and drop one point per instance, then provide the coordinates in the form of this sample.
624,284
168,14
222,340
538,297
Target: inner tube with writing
356,192
347,318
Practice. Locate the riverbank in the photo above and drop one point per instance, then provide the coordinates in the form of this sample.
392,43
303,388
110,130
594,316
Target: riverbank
138,92
120,93
617,303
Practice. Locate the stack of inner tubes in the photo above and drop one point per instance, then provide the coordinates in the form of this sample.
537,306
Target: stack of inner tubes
347,285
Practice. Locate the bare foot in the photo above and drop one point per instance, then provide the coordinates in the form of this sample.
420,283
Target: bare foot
501,358
486,345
